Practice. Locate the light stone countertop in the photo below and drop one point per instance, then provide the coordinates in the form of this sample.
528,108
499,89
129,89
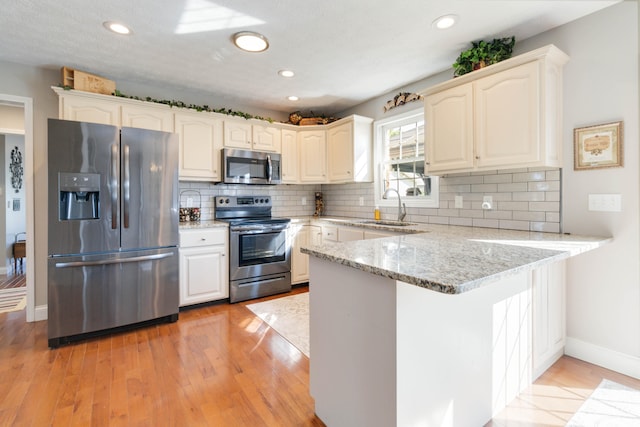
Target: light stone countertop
192,225
450,259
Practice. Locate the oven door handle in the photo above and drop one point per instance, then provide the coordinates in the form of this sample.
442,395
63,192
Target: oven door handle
256,229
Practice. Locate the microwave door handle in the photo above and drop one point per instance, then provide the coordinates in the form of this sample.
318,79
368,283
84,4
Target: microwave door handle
126,187
114,186
269,169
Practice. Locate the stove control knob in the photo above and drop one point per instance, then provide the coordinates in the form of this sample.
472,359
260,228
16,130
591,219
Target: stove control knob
257,200
221,201
226,200
266,200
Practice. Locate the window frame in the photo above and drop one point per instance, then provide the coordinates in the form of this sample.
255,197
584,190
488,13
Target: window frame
433,200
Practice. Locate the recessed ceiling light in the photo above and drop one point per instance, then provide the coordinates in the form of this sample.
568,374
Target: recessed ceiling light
117,27
286,73
444,22
250,41
292,98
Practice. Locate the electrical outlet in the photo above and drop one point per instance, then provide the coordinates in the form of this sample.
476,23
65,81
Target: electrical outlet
605,202
304,201
361,201
487,202
458,203
189,201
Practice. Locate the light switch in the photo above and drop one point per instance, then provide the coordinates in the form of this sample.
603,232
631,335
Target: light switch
361,201
304,201
458,202
605,202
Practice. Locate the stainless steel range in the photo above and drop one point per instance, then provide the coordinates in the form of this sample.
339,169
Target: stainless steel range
259,251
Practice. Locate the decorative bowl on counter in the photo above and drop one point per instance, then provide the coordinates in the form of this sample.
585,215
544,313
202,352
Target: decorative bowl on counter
189,214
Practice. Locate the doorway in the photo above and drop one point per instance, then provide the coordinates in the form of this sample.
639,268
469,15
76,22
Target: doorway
16,126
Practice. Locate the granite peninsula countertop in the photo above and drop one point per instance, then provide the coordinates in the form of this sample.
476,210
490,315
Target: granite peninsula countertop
451,259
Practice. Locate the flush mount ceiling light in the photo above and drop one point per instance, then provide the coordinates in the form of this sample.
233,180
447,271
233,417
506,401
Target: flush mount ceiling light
117,27
286,73
445,21
292,98
250,41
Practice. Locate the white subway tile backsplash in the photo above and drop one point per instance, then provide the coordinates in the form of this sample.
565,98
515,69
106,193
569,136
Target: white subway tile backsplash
523,199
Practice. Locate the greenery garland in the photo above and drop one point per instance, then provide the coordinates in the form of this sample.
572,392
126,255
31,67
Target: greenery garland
173,103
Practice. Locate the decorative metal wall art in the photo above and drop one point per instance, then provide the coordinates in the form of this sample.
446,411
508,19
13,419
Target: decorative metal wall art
401,99
16,169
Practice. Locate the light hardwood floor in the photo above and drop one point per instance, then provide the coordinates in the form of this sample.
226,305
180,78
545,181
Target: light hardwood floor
217,366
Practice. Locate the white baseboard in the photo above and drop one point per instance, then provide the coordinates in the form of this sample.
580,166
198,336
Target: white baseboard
40,313
3,270
607,358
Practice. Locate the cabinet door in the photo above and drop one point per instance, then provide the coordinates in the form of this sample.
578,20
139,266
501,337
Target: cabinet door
449,129
147,117
313,156
340,153
266,138
237,134
508,118
549,325
203,274
90,110
289,157
200,138
299,261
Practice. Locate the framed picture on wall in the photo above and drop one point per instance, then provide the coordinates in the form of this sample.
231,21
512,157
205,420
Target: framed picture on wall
598,146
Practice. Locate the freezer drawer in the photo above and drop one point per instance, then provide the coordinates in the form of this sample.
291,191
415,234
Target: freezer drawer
92,293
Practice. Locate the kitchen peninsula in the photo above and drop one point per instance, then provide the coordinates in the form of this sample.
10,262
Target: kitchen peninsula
440,328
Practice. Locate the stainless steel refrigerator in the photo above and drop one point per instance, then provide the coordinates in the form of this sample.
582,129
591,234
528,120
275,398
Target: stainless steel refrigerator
113,228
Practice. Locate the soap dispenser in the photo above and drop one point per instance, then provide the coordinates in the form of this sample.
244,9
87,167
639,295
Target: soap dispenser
376,213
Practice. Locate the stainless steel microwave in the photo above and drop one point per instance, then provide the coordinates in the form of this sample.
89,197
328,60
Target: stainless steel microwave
250,167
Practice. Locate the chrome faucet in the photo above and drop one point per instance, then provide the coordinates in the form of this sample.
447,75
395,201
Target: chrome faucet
402,209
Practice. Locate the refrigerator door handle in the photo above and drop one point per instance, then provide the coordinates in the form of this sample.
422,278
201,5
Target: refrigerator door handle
126,187
114,186
112,261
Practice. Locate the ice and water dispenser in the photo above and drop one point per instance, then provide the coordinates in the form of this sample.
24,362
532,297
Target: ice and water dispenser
79,195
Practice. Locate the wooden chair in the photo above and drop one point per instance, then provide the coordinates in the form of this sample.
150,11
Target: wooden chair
19,250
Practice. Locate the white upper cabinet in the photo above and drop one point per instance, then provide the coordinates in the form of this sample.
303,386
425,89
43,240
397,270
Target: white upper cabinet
289,165
350,152
247,136
313,156
87,108
200,136
147,116
507,115
449,115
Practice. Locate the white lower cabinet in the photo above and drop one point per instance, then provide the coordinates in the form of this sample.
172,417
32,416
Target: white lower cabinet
347,234
549,324
204,265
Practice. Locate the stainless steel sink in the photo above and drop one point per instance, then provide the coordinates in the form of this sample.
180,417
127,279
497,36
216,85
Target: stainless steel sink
387,222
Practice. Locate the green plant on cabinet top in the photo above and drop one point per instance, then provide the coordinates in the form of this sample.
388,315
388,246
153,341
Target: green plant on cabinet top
482,53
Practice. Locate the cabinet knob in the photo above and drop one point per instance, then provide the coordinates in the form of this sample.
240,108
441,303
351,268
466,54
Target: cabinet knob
203,239
427,163
477,157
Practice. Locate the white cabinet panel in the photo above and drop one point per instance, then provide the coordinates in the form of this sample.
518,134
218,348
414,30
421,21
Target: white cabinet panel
88,109
290,170
203,265
508,115
200,138
313,156
350,150
147,117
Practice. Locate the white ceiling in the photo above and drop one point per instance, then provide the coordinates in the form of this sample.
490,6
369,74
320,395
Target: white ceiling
342,51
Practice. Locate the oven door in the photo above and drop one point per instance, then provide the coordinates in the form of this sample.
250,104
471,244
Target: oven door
258,250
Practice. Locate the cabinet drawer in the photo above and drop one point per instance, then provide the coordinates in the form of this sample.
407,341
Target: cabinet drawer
203,237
